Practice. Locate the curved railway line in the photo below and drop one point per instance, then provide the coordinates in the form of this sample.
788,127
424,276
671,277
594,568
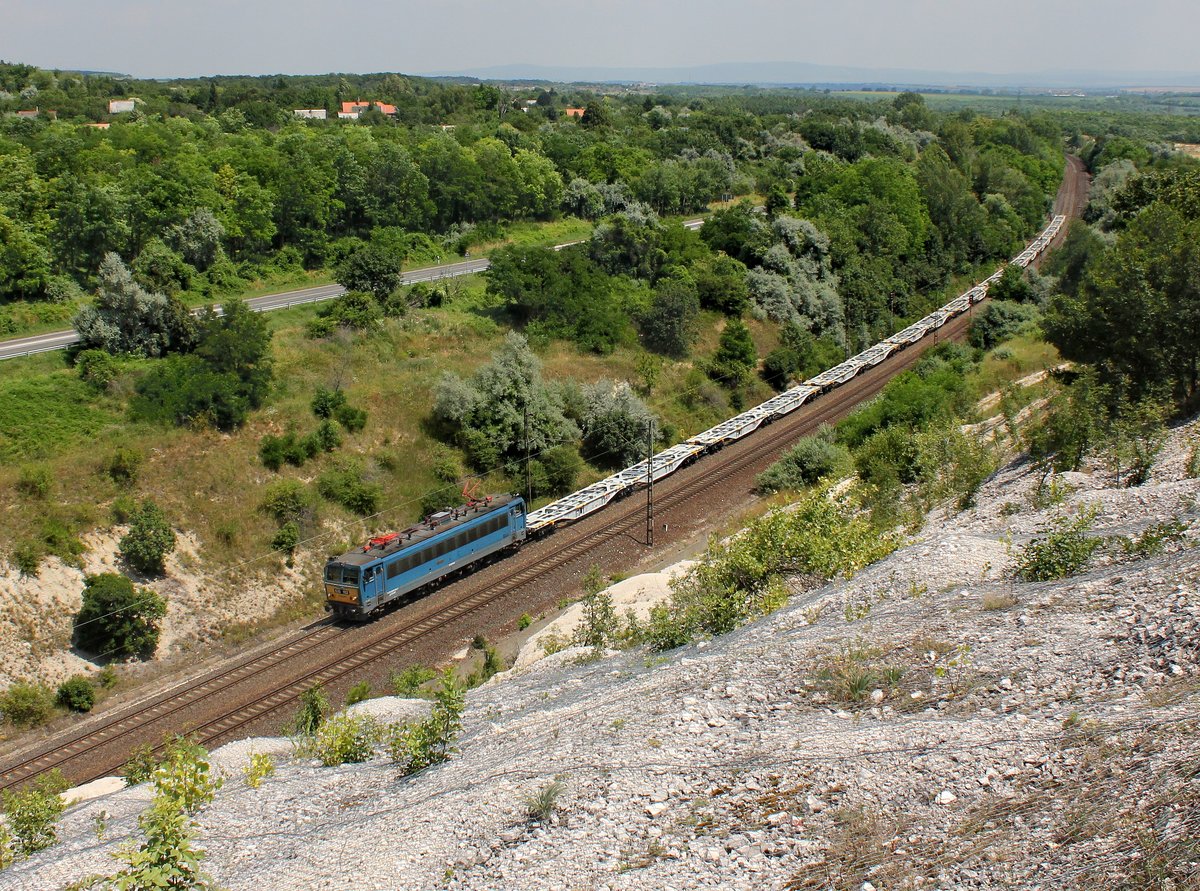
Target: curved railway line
81,755
233,700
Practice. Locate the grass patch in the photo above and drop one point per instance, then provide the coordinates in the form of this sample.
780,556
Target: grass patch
1002,600
1011,361
44,414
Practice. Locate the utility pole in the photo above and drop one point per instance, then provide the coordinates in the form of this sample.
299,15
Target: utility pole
528,473
650,483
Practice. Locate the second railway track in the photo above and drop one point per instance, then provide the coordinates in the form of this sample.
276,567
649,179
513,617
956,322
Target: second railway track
237,699
100,750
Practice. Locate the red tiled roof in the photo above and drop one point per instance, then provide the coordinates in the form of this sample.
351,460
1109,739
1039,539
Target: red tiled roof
359,105
575,112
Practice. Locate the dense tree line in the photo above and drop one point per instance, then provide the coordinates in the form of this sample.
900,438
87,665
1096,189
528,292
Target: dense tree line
1131,311
211,179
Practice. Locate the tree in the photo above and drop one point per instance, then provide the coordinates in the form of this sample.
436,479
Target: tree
1136,318
373,268
128,319
24,262
160,269
596,115
721,285
149,540
615,423
229,374
1013,285
117,620
669,325
198,238
486,415
735,357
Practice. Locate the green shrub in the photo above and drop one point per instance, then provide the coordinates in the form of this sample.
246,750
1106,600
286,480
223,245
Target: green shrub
888,457
286,538
951,464
149,540
344,484
226,532
166,857
998,321
354,310
107,677
76,694
346,739
26,558
274,451
821,536
360,692
327,437
431,741
805,464
599,622
439,498
35,481
353,419
555,472
408,683
123,465
140,766
117,619
289,501
27,704
261,767
1062,551
1154,539
314,705
493,664
524,622
97,368
32,812
185,777
326,402
541,805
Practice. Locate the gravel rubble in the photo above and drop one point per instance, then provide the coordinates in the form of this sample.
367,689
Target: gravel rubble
929,723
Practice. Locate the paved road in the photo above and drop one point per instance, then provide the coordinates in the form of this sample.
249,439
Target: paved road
59,340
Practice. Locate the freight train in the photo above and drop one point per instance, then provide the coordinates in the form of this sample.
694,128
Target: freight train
363,581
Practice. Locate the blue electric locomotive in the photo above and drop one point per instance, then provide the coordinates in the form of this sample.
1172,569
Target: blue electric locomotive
366,579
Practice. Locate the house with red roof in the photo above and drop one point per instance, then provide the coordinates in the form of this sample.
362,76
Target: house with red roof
352,110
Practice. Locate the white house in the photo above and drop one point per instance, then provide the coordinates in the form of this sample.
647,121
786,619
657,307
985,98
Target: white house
311,114
121,106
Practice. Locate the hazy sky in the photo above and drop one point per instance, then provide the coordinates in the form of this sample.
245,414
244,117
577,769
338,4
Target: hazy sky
159,38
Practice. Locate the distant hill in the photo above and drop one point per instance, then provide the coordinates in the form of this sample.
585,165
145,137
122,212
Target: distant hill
806,74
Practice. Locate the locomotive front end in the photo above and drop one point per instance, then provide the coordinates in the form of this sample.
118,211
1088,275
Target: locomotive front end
343,596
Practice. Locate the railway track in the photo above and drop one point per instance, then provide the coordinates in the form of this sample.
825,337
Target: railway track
131,721
99,748
75,755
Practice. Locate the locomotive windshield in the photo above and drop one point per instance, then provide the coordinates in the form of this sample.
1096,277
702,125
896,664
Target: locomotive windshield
341,575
